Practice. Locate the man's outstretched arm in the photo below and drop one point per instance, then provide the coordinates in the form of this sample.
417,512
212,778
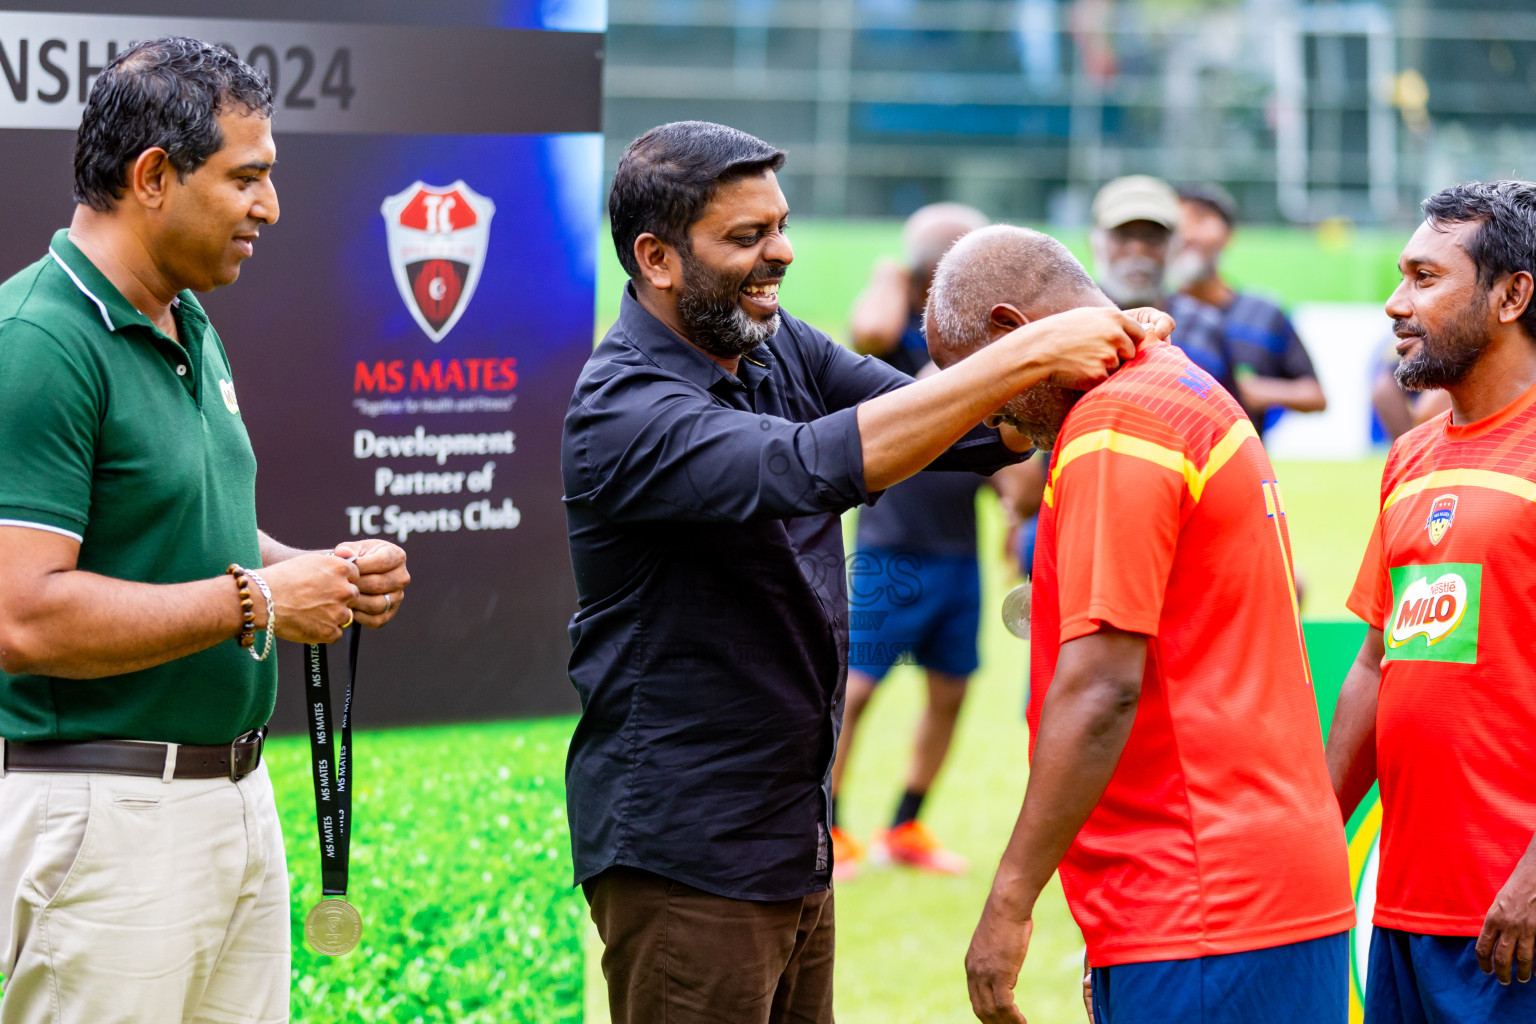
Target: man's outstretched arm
1301,394
880,312
904,430
1084,725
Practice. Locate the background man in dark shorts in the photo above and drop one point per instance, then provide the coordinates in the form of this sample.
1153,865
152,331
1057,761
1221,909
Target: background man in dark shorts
915,587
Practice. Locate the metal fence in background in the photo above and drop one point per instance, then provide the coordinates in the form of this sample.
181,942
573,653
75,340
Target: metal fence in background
1305,111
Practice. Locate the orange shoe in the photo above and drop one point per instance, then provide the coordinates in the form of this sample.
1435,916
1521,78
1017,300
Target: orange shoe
847,856
914,845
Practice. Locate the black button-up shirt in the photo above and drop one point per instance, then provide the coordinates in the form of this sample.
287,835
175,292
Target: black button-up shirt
709,648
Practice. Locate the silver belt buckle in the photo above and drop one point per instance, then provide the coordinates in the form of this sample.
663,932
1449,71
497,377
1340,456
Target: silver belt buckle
261,742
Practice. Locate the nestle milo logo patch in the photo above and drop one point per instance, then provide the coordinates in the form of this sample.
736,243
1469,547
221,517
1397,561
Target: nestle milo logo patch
1435,612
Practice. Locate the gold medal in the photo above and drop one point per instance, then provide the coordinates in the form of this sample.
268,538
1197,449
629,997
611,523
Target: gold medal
1016,606
333,927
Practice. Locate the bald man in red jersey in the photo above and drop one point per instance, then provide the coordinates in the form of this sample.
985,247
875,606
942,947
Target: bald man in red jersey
1177,777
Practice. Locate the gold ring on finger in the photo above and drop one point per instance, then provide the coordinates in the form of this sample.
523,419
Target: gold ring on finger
344,625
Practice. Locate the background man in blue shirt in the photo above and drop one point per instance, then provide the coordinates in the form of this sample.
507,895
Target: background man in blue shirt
709,448
1270,365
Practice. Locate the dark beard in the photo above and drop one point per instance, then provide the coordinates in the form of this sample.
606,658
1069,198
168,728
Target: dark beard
708,307
1445,357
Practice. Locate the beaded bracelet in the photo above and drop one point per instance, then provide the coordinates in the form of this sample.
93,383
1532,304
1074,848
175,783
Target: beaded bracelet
247,608
271,627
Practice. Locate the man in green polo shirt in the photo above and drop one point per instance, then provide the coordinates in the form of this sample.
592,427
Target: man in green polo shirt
142,875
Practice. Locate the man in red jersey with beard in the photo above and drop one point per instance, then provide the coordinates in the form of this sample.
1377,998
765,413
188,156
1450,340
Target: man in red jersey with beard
1441,703
1177,775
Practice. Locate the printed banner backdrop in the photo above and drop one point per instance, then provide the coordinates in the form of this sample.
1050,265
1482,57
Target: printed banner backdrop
406,338
404,343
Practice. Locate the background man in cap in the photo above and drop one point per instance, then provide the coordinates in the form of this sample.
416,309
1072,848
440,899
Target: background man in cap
1135,219
1269,363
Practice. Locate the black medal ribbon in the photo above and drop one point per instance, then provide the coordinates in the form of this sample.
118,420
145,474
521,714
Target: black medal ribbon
330,744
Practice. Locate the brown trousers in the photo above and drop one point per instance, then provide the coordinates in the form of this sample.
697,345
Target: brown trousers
675,955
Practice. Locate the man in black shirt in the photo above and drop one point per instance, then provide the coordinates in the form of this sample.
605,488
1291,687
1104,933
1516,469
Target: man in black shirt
710,445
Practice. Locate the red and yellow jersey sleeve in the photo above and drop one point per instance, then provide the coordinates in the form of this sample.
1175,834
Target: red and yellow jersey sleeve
1371,598
1118,491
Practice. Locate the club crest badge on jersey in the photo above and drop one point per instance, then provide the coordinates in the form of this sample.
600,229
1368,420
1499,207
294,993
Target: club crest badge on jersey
437,240
1441,514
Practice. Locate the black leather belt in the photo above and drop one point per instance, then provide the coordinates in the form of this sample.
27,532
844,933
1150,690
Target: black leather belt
134,757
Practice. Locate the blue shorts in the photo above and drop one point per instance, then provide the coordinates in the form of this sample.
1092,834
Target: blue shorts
1300,983
907,606
1434,979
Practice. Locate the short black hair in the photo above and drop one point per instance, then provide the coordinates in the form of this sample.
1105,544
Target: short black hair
164,93
1213,197
667,177
1505,240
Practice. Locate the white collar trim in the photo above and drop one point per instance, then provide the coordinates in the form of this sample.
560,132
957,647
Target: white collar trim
102,306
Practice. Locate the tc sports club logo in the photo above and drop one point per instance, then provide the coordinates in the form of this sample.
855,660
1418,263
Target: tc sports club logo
437,240
1441,514
1435,613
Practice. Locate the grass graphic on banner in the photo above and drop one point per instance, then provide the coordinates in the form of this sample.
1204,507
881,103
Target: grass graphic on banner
461,868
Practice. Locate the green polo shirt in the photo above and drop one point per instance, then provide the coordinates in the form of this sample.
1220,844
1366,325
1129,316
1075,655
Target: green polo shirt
115,435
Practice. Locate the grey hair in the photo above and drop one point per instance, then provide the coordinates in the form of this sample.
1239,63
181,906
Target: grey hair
996,264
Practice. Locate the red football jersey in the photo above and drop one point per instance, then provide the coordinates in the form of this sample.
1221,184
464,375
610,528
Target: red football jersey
1219,832
1454,551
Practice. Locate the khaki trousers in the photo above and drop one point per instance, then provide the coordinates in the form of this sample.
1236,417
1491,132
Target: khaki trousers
129,900
675,955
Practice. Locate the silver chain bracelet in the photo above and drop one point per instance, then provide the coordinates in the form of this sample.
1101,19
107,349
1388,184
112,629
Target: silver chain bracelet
271,627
